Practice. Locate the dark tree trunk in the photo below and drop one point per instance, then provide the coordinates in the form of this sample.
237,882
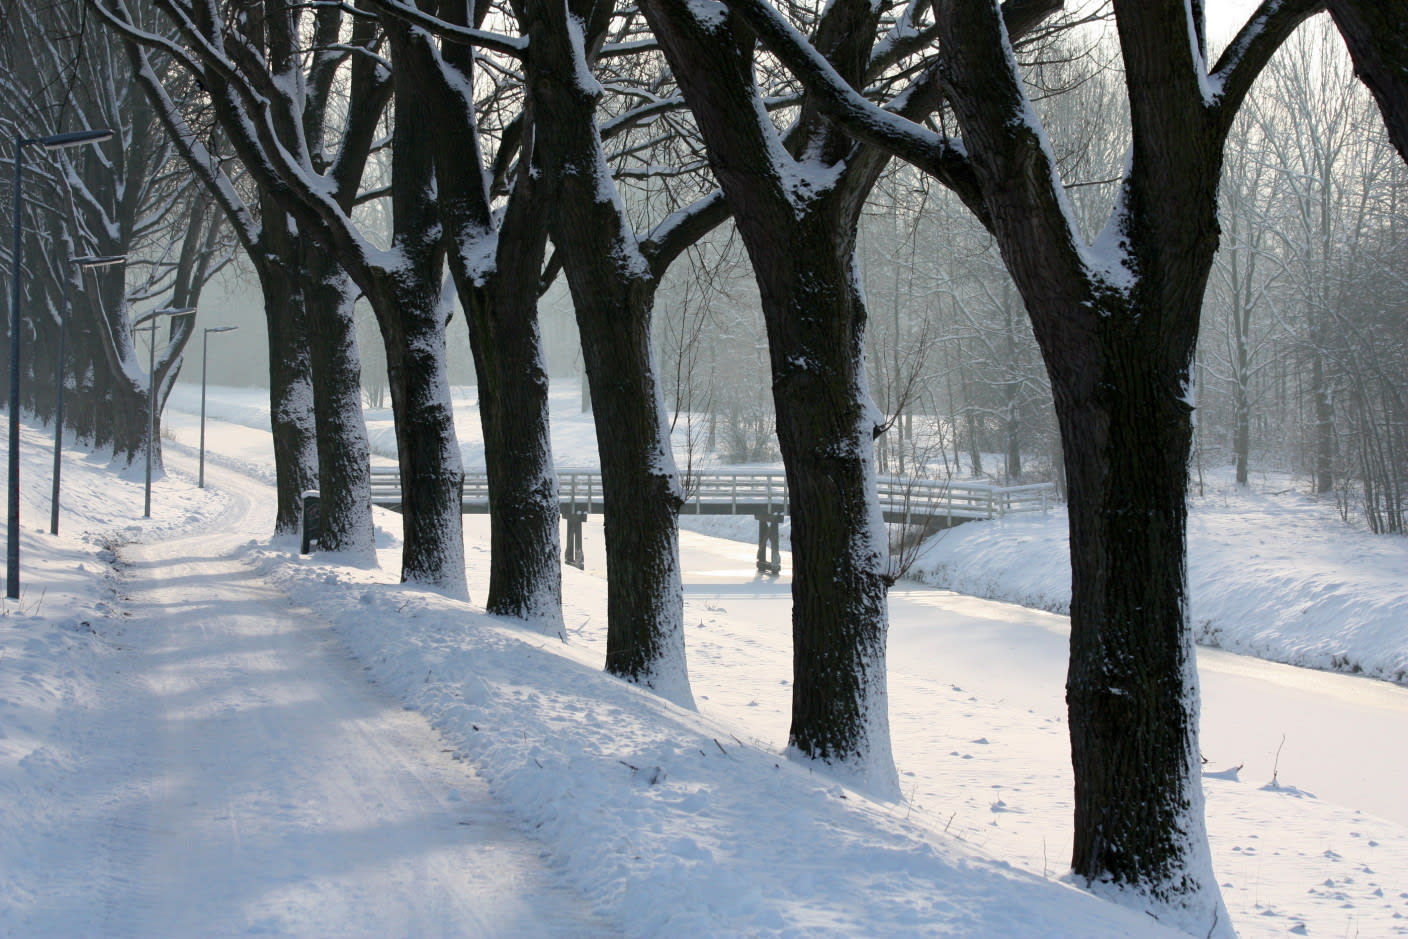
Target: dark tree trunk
525,573
413,331
501,312
1131,688
1117,328
406,298
1376,32
344,455
291,419
613,292
816,325
801,239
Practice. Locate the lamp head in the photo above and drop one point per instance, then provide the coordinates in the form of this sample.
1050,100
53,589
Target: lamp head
170,311
73,138
92,261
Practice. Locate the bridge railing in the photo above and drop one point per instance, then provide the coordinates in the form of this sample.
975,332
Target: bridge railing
765,493
747,493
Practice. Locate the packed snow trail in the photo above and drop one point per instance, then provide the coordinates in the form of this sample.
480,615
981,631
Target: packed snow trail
271,789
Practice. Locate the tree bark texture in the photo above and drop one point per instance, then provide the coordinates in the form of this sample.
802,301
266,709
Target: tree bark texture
816,321
291,418
525,573
344,454
1131,683
1117,327
432,475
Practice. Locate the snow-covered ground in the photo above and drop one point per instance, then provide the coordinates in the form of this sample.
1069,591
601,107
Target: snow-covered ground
187,747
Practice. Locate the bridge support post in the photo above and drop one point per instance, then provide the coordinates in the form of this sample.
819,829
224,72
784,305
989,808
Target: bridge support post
769,554
573,553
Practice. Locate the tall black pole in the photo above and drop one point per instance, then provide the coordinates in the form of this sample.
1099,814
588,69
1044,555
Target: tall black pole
204,361
12,544
51,142
151,418
59,409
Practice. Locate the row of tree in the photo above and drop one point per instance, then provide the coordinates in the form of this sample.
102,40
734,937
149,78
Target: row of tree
381,149
127,198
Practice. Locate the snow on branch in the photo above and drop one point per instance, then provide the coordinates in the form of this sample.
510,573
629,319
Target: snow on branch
682,228
1248,53
485,39
864,119
192,149
126,28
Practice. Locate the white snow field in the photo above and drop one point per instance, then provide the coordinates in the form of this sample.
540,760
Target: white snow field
205,735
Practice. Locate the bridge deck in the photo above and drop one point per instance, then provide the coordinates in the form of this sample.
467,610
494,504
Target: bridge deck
763,494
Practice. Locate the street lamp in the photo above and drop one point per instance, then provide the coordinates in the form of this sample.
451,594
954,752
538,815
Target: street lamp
87,263
204,358
137,327
51,142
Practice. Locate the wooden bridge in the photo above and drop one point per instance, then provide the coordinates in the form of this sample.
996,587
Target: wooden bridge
931,503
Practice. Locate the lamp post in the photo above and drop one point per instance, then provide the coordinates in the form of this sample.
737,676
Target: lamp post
51,142
205,358
137,327
87,263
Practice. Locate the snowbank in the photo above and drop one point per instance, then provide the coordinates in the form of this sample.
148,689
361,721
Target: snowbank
1275,574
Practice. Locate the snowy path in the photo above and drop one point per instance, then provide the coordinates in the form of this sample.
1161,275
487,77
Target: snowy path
271,789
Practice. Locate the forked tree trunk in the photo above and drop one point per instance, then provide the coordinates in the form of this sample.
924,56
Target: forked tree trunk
406,298
500,302
800,234
613,292
1117,324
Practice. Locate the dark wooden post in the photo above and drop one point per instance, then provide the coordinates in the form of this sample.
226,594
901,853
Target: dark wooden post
769,553
312,521
573,553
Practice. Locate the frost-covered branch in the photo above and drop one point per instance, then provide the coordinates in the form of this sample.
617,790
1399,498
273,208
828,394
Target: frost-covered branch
485,39
1243,60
